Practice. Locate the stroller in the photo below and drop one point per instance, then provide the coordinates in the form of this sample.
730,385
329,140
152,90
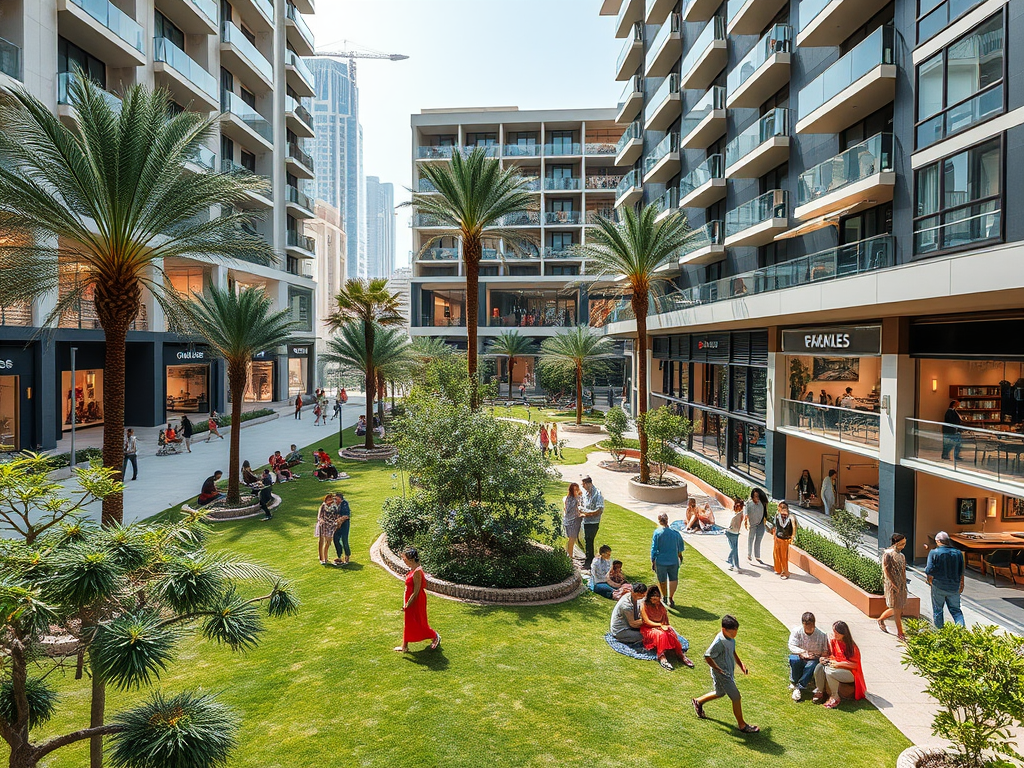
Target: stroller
166,448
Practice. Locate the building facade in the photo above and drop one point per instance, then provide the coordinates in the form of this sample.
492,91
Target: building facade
400,282
380,227
849,166
240,58
328,233
338,149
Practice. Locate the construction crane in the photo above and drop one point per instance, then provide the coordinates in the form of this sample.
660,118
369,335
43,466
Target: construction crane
369,53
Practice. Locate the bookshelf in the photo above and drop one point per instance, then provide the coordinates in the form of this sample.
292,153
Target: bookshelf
979,405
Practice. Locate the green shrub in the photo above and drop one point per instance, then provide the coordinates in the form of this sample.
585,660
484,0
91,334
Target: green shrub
615,423
847,526
84,456
862,571
531,567
225,420
402,520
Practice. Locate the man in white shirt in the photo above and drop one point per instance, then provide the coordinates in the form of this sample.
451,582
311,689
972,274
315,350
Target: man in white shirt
593,508
807,646
131,452
847,400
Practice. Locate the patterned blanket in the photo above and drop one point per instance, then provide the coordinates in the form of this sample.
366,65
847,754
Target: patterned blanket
638,651
680,525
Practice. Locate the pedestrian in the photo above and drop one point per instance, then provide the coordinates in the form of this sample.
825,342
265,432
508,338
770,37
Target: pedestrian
592,509
522,390
666,556
131,454
298,407
327,523
721,656
783,528
732,534
341,547
337,410
211,425
828,492
416,627
952,435
571,520
317,412
266,494
186,430
556,449
894,575
945,571
343,395
544,440
754,516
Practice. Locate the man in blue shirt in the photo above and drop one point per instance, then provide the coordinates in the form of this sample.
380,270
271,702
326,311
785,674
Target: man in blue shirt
666,555
945,571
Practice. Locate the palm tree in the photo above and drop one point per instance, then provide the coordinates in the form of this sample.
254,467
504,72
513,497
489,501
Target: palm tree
374,306
511,345
633,255
474,197
572,351
237,326
99,209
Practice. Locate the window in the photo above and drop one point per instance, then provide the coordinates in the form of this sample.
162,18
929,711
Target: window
561,142
739,388
959,200
961,85
747,449
247,96
164,28
561,270
249,161
933,16
560,241
301,302
69,54
559,171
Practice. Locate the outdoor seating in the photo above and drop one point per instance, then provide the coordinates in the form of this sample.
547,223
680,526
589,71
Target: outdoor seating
999,563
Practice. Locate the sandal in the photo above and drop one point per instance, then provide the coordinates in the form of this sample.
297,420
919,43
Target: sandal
748,728
666,664
699,709
437,641
687,662
831,704
881,626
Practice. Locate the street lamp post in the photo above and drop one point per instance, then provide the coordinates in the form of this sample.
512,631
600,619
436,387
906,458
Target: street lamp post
74,404
341,425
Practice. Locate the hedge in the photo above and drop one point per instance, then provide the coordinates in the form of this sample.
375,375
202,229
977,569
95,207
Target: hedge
84,456
225,421
863,571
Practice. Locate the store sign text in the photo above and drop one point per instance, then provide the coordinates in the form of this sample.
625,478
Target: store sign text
6,364
842,341
707,345
194,354
827,340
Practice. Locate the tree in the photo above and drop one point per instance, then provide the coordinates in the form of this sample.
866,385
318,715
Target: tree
662,427
237,325
475,197
615,423
125,597
632,255
370,303
97,211
424,350
575,349
511,345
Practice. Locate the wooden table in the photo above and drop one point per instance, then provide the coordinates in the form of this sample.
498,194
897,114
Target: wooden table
987,542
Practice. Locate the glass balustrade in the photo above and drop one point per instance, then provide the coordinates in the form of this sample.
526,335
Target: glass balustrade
426,220
425,185
770,205
979,452
562,183
531,183
232,35
293,14
629,181
875,49
233,103
435,152
712,100
522,219
712,233
170,54
64,94
267,6
116,20
522,150
670,27
562,217
857,163
634,84
636,36
600,213
205,157
10,59
292,105
439,254
562,252
669,201
715,30
209,9
301,199
809,10
489,150
298,240
560,148
293,59
635,131
779,39
296,153
712,168
668,88
774,123
845,425
665,147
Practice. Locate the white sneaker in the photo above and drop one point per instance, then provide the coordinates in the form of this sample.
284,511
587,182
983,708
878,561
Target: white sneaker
797,694
792,686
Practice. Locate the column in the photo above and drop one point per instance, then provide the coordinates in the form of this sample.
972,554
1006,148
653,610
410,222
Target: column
896,484
775,441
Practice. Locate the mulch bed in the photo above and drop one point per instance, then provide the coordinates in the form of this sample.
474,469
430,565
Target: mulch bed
626,466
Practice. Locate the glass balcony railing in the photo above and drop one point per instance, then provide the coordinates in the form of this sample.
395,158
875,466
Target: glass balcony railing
770,205
301,199
522,150
425,185
170,54
635,131
426,220
10,59
204,157
64,92
209,9
440,254
629,181
636,36
712,168
712,100
233,103
561,148
230,166
296,153
116,20
665,147
604,213
715,30
774,123
561,252
603,181
669,201
670,27
668,88
976,452
522,219
293,59
562,217
846,425
712,233
300,23
292,105
875,49
832,264
779,39
634,84
858,162
232,35
489,149
531,183
600,148
435,152
298,240
809,10
562,183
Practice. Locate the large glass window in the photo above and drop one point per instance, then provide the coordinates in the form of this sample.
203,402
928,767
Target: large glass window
962,84
709,435
747,449
260,386
443,309
10,432
532,308
959,200
301,303
739,388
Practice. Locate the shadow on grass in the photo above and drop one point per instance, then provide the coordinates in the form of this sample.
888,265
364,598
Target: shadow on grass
434,660
757,742
693,613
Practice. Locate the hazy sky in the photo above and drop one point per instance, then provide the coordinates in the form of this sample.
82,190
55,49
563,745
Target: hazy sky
533,54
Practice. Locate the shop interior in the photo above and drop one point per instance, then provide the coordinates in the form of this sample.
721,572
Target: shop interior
260,386
297,378
85,398
855,481
444,309
826,379
990,392
188,388
10,436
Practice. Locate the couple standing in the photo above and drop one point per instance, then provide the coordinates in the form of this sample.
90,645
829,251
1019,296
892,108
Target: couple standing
582,508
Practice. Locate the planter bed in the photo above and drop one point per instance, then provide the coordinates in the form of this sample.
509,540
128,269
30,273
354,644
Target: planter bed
626,466
585,429
377,453
658,494
215,514
692,482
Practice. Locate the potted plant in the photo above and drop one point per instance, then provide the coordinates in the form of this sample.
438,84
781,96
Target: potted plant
799,378
662,427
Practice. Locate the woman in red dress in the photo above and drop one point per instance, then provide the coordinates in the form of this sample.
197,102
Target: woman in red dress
417,628
656,632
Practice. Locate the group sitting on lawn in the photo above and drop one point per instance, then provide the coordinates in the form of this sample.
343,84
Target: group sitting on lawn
831,661
279,467
699,518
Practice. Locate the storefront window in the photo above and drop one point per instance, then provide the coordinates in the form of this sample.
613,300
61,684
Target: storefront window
301,302
10,437
260,386
748,449
759,391
709,435
739,388
532,308
297,380
444,309
188,388
84,398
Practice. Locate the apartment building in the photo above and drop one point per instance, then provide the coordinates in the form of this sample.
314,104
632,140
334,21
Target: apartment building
330,245
568,158
380,227
242,58
400,282
850,164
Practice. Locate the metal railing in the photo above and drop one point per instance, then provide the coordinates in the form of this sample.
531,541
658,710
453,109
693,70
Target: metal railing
232,35
603,181
296,153
977,451
233,103
845,425
562,217
168,53
116,20
778,39
774,123
712,168
877,48
16,314
770,205
634,131
522,219
298,240
857,163
712,100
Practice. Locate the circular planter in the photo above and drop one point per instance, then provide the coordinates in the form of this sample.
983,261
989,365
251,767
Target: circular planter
912,757
625,466
582,429
214,514
377,453
658,494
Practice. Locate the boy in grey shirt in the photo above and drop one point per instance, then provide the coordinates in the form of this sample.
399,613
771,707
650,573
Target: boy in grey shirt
721,656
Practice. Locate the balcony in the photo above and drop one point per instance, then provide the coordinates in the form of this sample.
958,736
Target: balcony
258,15
828,22
104,30
426,221
666,48
489,150
704,185
630,56
187,81
631,100
560,252
610,7
299,204
987,457
299,34
706,245
300,122
705,122
299,163
603,182
699,10
665,105
256,198
749,17
244,124
658,11
630,145
204,159
531,183
298,75
10,59
861,82
861,177
439,254
593,215
193,17
563,218
435,152
563,149
630,14
758,221
243,59
667,203
522,150
300,246
522,219
758,149
65,100
850,426
563,183
629,190
663,162
762,71
599,149
706,57
832,264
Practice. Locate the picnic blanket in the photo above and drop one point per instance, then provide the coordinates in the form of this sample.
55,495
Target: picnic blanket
638,651
680,525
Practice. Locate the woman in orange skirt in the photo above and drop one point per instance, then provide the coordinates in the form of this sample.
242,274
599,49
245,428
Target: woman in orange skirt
416,628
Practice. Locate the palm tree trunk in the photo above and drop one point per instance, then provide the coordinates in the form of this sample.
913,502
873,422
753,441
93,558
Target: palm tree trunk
371,383
115,331
97,711
471,256
640,303
382,393
579,393
236,381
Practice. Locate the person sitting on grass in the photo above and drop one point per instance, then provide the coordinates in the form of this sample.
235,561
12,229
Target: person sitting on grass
617,580
293,458
842,666
249,477
599,571
721,656
626,621
361,427
277,463
325,469
657,633
209,492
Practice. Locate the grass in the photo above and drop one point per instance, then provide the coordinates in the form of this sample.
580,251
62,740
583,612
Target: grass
544,414
524,687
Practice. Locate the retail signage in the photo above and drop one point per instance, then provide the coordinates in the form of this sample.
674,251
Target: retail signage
843,341
707,344
6,365
298,351
191,354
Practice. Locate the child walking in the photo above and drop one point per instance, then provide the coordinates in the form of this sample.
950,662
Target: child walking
721,656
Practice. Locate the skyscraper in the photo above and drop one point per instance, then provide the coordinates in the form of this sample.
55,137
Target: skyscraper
338,149
380,227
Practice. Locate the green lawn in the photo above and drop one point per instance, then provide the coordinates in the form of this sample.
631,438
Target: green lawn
511,687
546,415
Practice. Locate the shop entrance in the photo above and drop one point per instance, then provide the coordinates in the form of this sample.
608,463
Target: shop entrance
84,397
260,386
10,435
188,388
853,487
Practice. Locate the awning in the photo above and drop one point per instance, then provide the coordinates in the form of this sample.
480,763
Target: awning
812,225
